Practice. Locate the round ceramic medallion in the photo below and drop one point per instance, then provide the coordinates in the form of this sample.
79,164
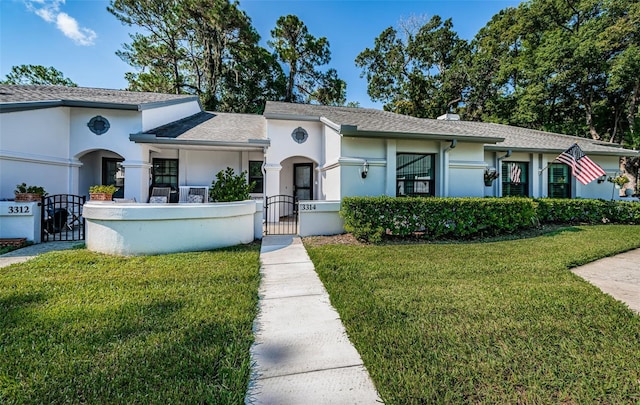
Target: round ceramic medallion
98,125
299,135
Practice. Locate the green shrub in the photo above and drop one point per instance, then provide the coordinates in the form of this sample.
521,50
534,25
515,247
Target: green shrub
374,218
230,187
24,189
584,211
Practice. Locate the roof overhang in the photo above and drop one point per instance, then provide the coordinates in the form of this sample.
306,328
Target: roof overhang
353,131
257,144
38,105
619,152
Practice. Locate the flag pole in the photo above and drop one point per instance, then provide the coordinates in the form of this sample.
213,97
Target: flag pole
545,168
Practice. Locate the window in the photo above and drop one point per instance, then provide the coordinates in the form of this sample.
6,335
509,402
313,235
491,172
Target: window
559,181
515,179
255,174
414,174
165,173
113,175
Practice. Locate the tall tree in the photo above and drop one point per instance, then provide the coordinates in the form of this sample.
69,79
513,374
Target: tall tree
420,71
198,47
303,54
38,75
159,52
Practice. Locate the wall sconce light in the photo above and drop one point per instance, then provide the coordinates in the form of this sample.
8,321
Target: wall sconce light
602,179
365,169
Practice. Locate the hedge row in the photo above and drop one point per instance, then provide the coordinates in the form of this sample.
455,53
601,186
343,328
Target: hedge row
373,218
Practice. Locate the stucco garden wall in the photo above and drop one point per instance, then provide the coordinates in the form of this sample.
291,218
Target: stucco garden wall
141,229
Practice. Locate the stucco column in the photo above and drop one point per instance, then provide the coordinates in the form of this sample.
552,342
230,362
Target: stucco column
74,178
272,179
390,179
136,180
272,188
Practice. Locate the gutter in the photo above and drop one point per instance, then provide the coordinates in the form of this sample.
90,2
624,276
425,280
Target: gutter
352,131
37,105
615,152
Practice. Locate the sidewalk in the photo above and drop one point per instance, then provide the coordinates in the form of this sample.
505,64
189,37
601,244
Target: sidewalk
26,253
618,276
302,354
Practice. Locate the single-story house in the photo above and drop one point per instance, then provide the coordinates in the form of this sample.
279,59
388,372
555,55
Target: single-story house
69,138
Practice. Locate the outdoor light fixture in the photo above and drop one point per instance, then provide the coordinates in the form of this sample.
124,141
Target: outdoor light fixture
365,169
602,179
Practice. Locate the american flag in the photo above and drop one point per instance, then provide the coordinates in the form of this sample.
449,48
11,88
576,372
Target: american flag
582,168
514,173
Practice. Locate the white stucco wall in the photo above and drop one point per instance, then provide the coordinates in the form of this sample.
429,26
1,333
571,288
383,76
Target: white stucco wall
463,174
20,220
539,176
34,149
283,146
153,118
142,229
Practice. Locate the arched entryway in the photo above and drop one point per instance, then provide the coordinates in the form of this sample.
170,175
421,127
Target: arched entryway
103,167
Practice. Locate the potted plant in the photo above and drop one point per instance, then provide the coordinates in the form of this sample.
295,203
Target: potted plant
101,192
26,193
490,176
619,181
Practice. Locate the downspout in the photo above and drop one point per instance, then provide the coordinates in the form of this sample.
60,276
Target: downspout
445,167
498,185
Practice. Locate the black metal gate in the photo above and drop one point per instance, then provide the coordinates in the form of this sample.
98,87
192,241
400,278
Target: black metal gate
281,215
62,218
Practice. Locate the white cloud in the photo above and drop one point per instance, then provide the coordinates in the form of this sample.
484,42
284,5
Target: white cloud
49,10
69,26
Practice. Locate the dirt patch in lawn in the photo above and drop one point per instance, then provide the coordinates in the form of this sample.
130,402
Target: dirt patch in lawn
349,239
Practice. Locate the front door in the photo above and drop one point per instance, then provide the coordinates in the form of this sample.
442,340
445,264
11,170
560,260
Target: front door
303,181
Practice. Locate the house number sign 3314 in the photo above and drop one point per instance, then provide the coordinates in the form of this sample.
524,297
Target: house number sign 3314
307,207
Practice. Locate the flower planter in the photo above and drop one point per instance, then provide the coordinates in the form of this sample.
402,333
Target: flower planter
28,197
100,196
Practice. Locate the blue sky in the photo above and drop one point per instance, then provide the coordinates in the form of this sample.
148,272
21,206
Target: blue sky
80,37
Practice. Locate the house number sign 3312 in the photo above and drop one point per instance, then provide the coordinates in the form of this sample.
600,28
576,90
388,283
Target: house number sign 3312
18,210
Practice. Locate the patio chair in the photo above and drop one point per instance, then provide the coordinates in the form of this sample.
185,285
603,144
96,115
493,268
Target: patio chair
160,195
197,195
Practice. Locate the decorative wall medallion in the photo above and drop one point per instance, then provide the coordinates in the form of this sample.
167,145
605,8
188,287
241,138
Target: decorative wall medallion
98,125
299,135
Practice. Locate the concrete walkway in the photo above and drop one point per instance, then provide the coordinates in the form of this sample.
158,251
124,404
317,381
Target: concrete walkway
29,252
618,276
302,354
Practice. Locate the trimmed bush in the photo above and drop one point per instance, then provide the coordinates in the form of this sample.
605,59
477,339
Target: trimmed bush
583,211
374,218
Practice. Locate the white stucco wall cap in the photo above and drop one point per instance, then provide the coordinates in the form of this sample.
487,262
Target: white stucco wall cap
134,212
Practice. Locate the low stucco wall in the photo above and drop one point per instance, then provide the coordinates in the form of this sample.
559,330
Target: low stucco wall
320,218
143,229
20,220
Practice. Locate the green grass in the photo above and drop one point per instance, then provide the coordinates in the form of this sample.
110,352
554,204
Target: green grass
488,323
82,327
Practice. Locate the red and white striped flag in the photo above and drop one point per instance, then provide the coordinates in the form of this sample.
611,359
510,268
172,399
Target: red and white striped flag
582,168
514,173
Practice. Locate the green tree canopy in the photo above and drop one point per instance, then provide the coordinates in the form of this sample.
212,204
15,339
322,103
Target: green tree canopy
203,47
37,75
419,70
303,54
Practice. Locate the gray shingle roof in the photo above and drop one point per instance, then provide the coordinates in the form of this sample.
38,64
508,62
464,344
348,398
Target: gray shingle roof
28,97
210,128
499,137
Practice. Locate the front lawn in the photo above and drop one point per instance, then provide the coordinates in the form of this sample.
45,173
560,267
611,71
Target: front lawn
491,323
82,327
